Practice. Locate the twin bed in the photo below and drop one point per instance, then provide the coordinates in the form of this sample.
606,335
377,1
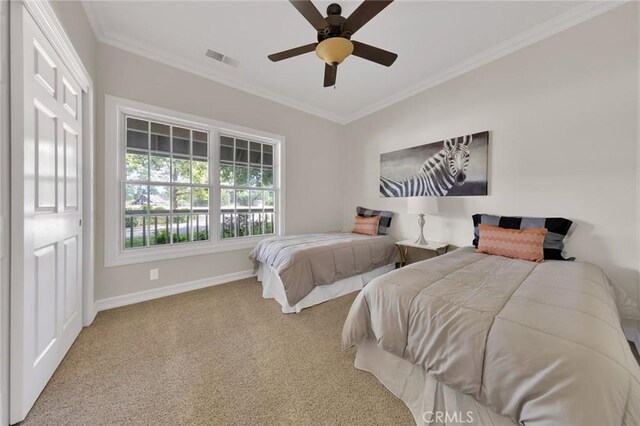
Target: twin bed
469,338
303,270
503,340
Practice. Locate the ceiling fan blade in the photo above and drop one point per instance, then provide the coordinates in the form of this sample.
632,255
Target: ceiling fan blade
367,10
330,72
374,54
310,13
286,54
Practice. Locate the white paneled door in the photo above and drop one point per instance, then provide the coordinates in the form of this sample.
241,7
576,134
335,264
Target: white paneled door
46,191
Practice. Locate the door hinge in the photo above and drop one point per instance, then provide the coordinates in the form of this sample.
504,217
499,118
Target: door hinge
80,222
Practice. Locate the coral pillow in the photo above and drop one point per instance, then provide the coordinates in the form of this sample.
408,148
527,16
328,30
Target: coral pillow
525,244
557,230
366,225
385,218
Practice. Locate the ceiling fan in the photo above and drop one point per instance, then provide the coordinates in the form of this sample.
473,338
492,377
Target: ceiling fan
334,36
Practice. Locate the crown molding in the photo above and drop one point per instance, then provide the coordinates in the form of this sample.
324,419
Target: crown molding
93,17
176,61
141,49
547,29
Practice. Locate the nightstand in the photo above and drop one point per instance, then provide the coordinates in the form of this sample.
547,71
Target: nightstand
403,248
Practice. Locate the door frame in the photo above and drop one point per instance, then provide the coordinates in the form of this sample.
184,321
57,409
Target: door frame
44,16
4,212
46,19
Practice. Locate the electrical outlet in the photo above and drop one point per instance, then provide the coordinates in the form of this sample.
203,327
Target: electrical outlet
153,274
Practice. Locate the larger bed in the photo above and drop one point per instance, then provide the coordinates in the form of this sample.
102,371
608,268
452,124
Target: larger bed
498,341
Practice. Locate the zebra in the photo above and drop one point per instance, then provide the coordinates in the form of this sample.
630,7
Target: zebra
437,175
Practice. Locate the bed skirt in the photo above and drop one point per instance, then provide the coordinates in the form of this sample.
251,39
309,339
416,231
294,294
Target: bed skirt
430,402
272,287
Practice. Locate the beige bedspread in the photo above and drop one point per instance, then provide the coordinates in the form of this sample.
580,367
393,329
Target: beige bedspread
305,261
539,343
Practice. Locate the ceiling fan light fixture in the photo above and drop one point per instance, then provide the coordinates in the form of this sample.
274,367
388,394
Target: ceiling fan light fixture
334,33
334,50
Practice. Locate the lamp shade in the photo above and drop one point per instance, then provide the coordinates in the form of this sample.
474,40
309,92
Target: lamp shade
334,50
422,205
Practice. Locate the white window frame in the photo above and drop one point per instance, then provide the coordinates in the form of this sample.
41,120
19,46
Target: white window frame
115,139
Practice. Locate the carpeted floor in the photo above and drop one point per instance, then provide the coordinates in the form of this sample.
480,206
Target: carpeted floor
217,356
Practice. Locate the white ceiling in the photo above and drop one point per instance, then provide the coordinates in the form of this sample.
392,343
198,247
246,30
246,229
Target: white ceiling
434,41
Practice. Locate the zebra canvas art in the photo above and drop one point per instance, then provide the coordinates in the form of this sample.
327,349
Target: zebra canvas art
452,167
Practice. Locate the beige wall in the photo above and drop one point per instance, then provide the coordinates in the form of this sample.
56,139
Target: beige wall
314,161
563,116
314,143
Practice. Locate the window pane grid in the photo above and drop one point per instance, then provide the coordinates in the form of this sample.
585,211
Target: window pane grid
165,186
152,230
146,182
247,195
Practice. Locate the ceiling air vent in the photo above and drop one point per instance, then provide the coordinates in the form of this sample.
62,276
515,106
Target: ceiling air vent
222,58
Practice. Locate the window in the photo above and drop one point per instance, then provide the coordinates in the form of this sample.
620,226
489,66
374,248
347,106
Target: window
179,185
165,184
247,196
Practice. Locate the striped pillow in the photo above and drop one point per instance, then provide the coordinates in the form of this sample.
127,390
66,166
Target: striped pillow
366,225
525,244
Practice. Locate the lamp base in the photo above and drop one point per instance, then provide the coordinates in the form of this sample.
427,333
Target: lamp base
421,240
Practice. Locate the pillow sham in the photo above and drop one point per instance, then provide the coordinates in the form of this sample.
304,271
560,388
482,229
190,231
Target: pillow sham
366,225
525,244
385,218
557,229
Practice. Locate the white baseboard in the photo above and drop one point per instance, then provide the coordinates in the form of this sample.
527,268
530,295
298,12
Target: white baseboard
170,290
632,332
90,315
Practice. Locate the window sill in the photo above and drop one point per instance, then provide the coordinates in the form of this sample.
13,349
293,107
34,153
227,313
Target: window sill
153,254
